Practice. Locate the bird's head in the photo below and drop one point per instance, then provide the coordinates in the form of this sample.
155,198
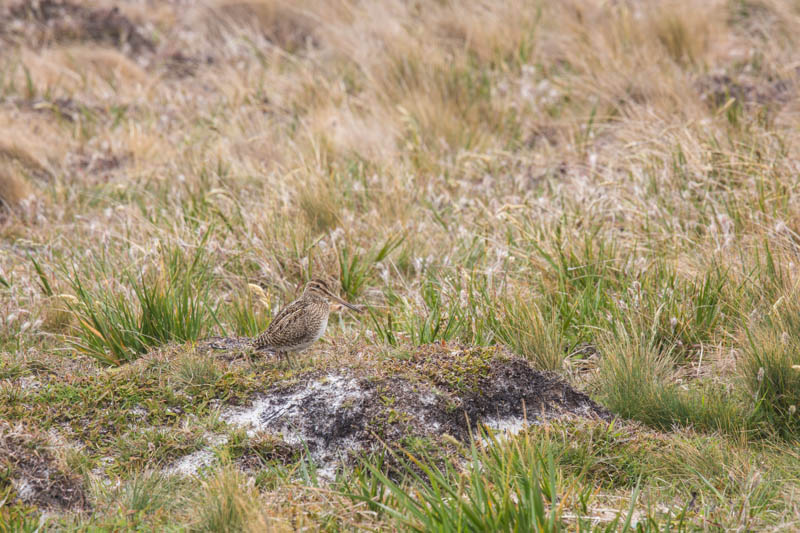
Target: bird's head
320,288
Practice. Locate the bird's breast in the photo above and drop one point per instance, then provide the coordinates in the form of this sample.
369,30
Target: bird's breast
321,327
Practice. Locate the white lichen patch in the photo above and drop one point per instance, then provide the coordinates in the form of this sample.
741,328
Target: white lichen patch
191,464
287,416
503,428
24,489
283,414
28,383
507,426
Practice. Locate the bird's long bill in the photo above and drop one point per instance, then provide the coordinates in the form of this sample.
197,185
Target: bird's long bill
355,308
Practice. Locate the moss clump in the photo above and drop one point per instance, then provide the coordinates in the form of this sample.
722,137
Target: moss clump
456,368
99,408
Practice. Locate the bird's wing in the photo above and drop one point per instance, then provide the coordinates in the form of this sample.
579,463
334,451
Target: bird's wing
286,310
283,330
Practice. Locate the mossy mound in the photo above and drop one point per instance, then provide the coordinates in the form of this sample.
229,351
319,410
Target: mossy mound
419,395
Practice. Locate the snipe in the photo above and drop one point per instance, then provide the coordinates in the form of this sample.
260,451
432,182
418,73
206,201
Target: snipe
301,323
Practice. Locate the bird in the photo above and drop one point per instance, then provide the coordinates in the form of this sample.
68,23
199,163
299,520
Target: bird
302,322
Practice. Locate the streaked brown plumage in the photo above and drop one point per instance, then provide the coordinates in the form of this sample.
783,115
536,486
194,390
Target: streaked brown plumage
301,323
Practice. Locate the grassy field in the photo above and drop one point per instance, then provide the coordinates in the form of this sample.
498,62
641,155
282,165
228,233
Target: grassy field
608,189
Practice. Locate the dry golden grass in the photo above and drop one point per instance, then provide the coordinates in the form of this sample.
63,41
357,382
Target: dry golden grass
620,174
13,189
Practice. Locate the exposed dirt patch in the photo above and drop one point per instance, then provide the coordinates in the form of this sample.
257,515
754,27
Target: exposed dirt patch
97,162
286,27
41,22
717,89
28,468
179,64
543,135
436,390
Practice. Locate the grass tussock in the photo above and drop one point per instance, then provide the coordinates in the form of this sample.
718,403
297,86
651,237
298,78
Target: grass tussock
145,494
770,366
505,486
636,379
226,503
526,331
169,304
196,373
